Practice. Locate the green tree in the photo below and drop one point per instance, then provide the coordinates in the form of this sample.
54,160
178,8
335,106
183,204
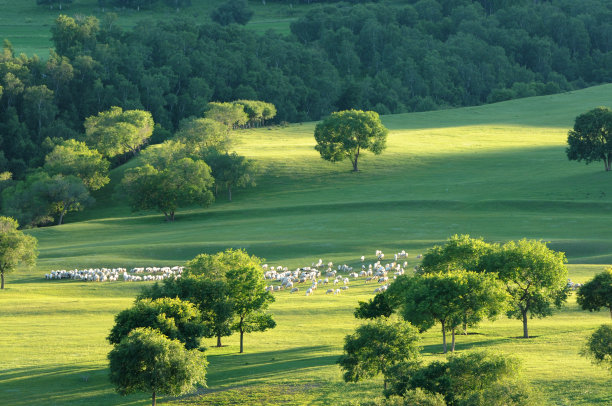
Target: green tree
597,292
15,247
174,318
459,252
376,347
534,276
231,170
230,114
201,135
232,11
73,157
66,194
117,132
40,106
591,138
599,346
183,183
345,134
148,361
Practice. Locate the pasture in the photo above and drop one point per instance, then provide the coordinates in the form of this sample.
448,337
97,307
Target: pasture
497,171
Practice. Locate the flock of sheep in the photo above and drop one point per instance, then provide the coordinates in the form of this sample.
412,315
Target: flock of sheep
320,274
117,274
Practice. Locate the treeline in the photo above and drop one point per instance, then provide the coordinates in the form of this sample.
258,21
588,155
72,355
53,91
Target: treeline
419,56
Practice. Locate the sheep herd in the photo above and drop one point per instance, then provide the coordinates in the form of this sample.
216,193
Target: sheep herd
324,274
118,274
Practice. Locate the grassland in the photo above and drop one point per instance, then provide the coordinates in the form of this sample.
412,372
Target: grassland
496,171
28,25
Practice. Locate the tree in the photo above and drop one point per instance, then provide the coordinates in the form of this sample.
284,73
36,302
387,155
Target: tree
534,276
246,287
597,293
232,11
201,135
591,138
73,157
117,132
51,3
230,114
376,347
182,183
231,170
39,105
148,361
345,134
599,346
15,247
174,318
452,299
459,252
66,194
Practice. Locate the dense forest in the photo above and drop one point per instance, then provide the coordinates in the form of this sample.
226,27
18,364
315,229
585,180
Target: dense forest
416,56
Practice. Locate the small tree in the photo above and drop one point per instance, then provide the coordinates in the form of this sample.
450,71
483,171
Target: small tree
591,138
230,114
597,293
116,132
148,361
534,276
232,11
599,346
201,135
459,252
174,318
15,247
231,170
376,347
75,158
66,194
345,134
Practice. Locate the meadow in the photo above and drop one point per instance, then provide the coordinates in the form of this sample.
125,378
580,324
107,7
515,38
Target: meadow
497,171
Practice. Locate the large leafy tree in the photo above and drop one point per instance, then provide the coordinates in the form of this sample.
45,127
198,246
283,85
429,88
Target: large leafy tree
66,194
231,170
116,132
599,346
15,247
148,361
174,318
230,114
376,347
346,134
201,135
597,292
459,252
534,276
73,157
591,138
182,183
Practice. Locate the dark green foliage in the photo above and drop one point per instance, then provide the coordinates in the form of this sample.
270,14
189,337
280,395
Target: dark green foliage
231,170
376,347
378,306
597,292
232,12
591,138
599,346
147,361
15,247
174,318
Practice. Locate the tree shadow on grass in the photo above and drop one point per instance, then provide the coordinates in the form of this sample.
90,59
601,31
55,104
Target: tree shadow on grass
59,385
232,369
463,346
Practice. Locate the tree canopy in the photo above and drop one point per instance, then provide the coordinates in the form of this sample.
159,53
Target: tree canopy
599,346
15,247
591,138
73,157
597,292
345,134
534,276
148,361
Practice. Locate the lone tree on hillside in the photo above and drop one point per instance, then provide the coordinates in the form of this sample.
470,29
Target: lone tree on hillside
15,247
591,138
534,276
597,292
345,134
148,361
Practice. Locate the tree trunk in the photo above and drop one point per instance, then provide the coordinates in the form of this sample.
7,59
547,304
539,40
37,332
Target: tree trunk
153,400
355,169
61,218
166,216
444,337
3,288
525,331
219,341
385,383
2,276
241,341
172,216
229,192
453,341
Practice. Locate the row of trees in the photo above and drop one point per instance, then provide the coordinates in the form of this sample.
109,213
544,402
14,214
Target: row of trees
180,172
377,56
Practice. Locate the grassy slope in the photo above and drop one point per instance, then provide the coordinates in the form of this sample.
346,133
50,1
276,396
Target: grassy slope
496,171
28,26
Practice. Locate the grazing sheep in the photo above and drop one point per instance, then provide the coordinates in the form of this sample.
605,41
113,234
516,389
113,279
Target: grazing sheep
294,290
329,291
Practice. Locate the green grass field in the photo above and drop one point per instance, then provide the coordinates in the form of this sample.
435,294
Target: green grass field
496,171
28,25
